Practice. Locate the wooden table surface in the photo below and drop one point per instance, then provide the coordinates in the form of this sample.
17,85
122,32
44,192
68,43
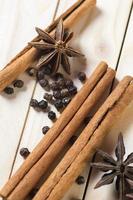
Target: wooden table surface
105,34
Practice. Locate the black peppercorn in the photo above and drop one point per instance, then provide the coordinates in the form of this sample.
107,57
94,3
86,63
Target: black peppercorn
57,94
44,83
31,71
48,97
58,104
51,115
24,152
61,83
69,83
66,101
9,90
18,83
58,76
54,86
64,93
72,90
43,104
82,76
34,103
80,180
45,129
40,75
47,69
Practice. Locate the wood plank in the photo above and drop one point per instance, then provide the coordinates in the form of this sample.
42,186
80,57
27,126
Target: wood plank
18,20
124,68
100,39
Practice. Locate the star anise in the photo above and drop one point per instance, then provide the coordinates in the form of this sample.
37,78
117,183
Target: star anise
117,168
55,48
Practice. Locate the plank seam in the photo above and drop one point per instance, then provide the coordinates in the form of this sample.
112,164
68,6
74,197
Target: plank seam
112,85
27,113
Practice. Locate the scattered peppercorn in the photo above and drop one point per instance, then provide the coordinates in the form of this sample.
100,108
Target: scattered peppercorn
80,180
43,104
34,103
61,83
82,76
45,129
47,69
64,93
58,76
24,152
73,139
48,97
69,83
58,104
31,71
51,115
57,94
72,90
54,86
9,90
66,101
44,83
18,83
40,75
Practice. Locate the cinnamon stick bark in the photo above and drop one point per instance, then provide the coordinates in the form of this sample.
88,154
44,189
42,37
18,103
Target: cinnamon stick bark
89,140
29,55
57,128
40,168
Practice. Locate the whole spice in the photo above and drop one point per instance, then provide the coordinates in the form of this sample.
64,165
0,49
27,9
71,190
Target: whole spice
43,104
117,168
82,76
48,97
55,48
54,86
44,83
66,101
31,71
64,93
18,83
57,94
51,115
72,90
40,75
58,104
80,180
45,129
9,90
24,152
34,103
69,83
57,76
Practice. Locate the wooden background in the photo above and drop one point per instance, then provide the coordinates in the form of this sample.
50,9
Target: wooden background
107,35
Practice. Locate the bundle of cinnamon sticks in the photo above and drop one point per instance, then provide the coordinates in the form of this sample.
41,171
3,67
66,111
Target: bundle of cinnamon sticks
39,161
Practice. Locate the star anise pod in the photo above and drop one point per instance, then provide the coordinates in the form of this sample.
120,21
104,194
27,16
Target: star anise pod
55,48
117,168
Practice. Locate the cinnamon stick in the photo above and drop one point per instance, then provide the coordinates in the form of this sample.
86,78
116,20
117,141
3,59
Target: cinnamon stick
57,128
40,168
29,55
90,139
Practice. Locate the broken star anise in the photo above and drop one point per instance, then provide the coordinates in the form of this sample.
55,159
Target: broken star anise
117,168
55,48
